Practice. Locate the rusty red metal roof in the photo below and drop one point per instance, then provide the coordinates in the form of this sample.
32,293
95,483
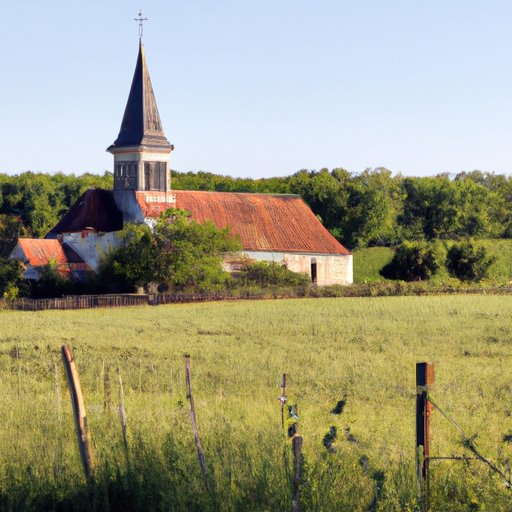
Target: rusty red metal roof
96,208
40,251
265,222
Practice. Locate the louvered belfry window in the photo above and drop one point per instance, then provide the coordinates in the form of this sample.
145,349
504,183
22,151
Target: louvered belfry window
125,175
154,176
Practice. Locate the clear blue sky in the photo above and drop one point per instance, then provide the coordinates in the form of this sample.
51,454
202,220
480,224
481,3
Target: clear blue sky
263,88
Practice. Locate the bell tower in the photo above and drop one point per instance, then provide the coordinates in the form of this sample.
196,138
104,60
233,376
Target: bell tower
141,150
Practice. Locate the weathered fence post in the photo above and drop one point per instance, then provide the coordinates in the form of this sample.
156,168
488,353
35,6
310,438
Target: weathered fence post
291,425
194,422
424,379
296,439
122,413
57,390
77,401
282,398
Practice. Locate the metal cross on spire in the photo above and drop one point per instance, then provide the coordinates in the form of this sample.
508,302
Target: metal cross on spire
140,19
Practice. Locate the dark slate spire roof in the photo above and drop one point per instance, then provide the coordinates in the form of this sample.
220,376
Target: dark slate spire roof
141,122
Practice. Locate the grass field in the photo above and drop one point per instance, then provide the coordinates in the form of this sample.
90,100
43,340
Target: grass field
369,262
362,350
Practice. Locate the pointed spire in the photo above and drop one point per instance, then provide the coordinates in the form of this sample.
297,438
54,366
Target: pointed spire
141,124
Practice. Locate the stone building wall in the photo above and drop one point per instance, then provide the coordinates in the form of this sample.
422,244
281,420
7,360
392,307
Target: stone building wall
329,268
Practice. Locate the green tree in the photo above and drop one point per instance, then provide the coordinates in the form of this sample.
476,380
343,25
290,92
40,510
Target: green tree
12,284
325,193
135,262
51,282
375,201
468,262
442,208
415,261
180,254
11,227
192,253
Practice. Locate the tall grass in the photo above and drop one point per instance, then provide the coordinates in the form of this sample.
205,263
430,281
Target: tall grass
362,350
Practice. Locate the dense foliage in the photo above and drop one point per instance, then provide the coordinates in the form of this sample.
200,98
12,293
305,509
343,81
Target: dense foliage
360,209
375,208
179,254
469,262
415,261
265,274
11,279
32,203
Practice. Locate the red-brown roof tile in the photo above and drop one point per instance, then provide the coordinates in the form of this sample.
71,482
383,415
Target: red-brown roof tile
265,222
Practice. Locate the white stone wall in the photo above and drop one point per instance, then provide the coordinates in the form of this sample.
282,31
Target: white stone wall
330,268
126,201
92,248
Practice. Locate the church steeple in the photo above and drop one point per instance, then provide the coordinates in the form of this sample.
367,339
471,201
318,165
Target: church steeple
141,123
141,150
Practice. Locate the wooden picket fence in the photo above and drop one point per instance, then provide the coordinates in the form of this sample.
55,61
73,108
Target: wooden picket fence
76,302
125,300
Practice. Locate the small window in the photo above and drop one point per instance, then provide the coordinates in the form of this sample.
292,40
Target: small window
313,273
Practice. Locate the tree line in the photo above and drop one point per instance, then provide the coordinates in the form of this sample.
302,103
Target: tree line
32,203
421,217
375,208
360,209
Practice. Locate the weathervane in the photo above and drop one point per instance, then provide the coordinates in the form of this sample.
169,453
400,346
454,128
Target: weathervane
140,19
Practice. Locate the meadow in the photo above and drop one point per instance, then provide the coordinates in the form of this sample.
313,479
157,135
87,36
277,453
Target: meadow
361,351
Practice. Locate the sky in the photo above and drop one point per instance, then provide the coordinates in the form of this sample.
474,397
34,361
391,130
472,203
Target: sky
261,89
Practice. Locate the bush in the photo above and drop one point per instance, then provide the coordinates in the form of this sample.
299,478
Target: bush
264,274
12,284
415,261
51,283
468,262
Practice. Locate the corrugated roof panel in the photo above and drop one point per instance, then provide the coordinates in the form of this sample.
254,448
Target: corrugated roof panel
39,251
265,222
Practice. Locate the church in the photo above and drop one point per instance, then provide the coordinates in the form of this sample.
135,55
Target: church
272,227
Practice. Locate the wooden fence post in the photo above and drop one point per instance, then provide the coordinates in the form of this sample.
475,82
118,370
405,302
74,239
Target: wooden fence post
424,379
292,430
194,422
77,400
282,398
122,413
296,440
57,390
